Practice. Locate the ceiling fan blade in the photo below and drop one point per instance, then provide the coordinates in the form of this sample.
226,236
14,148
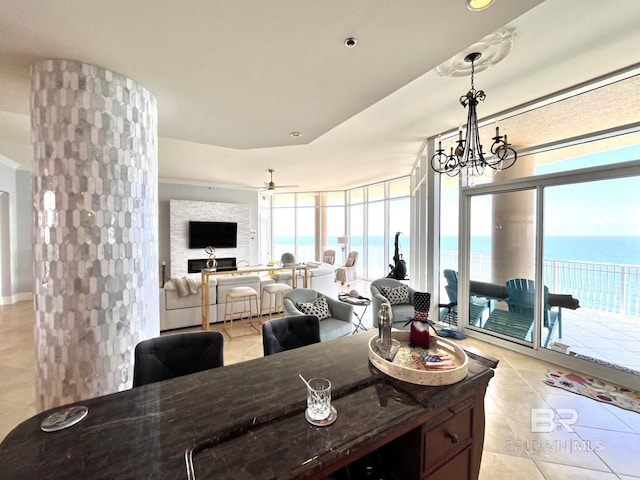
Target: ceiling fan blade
271,186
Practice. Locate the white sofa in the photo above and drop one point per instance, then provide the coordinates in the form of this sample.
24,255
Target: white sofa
321,278
186,311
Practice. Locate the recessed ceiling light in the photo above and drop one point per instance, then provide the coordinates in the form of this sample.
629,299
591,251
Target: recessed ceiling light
295,134
478,4
351,42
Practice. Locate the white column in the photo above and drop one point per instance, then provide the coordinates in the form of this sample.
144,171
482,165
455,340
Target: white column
95,228
514,231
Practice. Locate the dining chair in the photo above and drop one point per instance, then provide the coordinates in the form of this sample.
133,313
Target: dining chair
170,356
287,333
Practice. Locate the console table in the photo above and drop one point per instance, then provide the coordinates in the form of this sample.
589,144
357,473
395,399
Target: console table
247,421
208,272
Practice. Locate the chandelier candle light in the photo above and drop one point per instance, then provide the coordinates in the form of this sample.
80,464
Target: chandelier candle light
468,155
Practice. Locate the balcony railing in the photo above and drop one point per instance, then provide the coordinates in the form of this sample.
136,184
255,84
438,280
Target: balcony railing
601,286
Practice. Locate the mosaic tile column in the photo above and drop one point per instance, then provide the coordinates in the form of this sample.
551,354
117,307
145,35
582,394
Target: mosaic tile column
95,228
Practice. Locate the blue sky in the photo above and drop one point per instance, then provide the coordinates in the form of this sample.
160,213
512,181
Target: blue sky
600,208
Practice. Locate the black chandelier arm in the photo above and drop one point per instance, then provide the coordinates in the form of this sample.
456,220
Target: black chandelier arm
505,156
447,164
503,160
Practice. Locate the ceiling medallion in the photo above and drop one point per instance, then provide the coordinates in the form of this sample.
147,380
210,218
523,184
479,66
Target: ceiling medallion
493,49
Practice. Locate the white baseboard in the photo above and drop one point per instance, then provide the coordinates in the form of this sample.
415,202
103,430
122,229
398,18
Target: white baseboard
18,297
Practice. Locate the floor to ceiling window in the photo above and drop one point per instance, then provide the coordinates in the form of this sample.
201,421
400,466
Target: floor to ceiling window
399,220
502,255
363,219
306,226
376,265
284,217
333,223
356,229
592,252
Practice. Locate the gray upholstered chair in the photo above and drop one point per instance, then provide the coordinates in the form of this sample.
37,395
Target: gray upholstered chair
401,311
287,333
284,276
304,301
288,259
166,357
347,272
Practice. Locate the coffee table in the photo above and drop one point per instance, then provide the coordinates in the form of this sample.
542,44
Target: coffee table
357,302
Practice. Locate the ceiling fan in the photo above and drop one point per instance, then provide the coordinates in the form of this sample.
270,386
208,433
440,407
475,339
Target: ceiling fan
270,186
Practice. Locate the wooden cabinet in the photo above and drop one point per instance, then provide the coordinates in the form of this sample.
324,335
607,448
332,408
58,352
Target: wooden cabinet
457,467
448,434
448,445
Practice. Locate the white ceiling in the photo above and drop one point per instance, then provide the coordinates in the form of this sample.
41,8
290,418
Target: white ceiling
234,78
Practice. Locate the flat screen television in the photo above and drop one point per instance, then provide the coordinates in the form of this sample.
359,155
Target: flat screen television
213,234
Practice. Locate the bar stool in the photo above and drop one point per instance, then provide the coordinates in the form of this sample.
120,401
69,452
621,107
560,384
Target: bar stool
276,292
249,297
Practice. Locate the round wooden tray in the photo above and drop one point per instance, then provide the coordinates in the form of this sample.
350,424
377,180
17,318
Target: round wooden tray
397,370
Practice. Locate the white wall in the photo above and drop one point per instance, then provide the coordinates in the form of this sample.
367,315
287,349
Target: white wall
16,269
182,211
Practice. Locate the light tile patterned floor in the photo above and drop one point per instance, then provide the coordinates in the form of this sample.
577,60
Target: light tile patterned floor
602,445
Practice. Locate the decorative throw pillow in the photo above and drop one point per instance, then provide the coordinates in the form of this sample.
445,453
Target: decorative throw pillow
397,295
319,308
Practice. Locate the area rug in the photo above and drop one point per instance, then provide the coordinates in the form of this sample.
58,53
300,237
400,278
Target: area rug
595,389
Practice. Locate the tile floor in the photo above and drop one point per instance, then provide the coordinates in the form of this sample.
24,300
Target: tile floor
602,445
608,336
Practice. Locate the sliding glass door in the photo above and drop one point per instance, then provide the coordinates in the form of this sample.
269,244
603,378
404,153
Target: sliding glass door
502,259
592,253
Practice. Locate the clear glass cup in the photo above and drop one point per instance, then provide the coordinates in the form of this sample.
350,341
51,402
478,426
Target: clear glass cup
319,398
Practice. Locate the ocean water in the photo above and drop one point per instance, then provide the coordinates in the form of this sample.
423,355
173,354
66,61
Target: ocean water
622,250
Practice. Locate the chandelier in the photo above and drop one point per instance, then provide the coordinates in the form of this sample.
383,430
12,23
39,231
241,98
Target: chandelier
467,155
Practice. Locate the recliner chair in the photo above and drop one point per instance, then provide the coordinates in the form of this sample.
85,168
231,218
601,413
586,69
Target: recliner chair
170,356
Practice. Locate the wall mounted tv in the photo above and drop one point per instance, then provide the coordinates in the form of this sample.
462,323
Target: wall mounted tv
213,234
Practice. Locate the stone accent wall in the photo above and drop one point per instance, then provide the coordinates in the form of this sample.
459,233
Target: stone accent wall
181,211
95,228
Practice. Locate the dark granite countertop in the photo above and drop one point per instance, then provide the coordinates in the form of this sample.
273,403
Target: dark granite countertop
240,421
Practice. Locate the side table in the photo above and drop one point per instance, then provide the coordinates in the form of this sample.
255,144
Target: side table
357,302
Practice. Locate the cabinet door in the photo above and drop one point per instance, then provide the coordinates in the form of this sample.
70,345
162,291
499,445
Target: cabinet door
449,437
456,468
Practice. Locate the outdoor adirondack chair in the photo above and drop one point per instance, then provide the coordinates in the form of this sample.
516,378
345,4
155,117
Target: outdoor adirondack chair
517,322
449,312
